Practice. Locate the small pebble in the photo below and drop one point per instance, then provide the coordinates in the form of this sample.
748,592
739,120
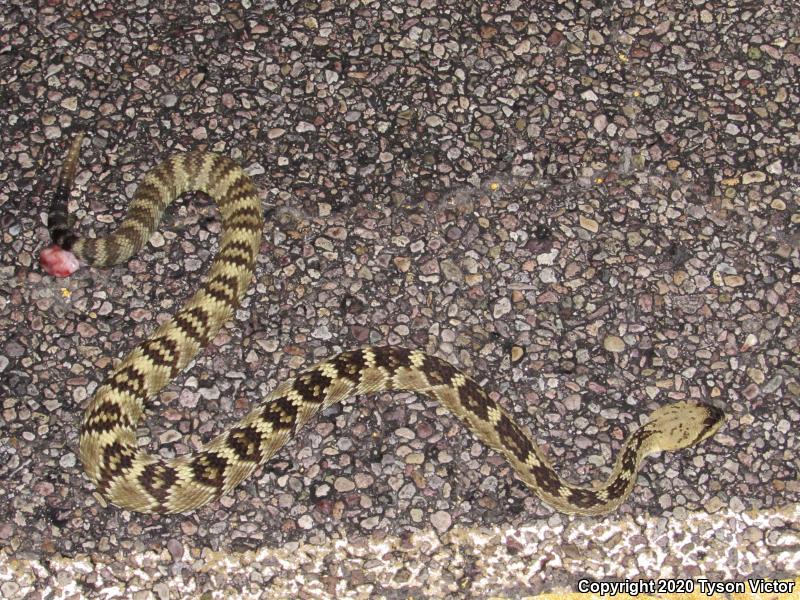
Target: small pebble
612,343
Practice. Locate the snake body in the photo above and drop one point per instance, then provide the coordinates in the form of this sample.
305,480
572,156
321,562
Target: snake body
133,479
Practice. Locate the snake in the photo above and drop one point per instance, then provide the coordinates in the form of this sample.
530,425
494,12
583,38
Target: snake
134,479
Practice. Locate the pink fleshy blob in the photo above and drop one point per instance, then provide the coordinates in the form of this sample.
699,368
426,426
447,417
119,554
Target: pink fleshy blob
58,262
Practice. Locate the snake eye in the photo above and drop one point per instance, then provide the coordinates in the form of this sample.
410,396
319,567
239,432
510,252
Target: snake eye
713,421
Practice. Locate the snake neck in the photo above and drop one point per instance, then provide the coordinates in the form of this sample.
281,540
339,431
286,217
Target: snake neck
539,476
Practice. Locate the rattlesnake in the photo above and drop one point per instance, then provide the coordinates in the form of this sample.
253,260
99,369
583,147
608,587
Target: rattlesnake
133,479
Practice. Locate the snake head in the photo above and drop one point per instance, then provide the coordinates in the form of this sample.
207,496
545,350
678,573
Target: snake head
684,424
58,262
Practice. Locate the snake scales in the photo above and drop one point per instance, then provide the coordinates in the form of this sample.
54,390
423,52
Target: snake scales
133,479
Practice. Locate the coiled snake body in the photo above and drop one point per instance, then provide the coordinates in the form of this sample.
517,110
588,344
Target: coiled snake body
133,479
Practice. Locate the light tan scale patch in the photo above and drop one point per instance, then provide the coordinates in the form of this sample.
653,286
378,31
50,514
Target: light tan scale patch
152,203
409,379
532,461
105,416
140,228
237,469
222,186
183,471
188,492
294,397
282,390
241,202
241,231
201,177
164,195
241,234
136,498
338,391
459,379
130,401
235,252
264,429
368,354
564,492
247,272
180,176
449,397
228,294
156,345
276,441
304,409
339,388
217,311
329,370
494,415
92,445
155,376
101,248
103,439
192,337
187,346
417,358
236,473
373,379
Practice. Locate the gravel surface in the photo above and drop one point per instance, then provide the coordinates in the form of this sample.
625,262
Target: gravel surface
592,208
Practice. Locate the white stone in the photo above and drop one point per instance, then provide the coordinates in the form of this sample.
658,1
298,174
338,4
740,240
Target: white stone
600,122
502,307
441,520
